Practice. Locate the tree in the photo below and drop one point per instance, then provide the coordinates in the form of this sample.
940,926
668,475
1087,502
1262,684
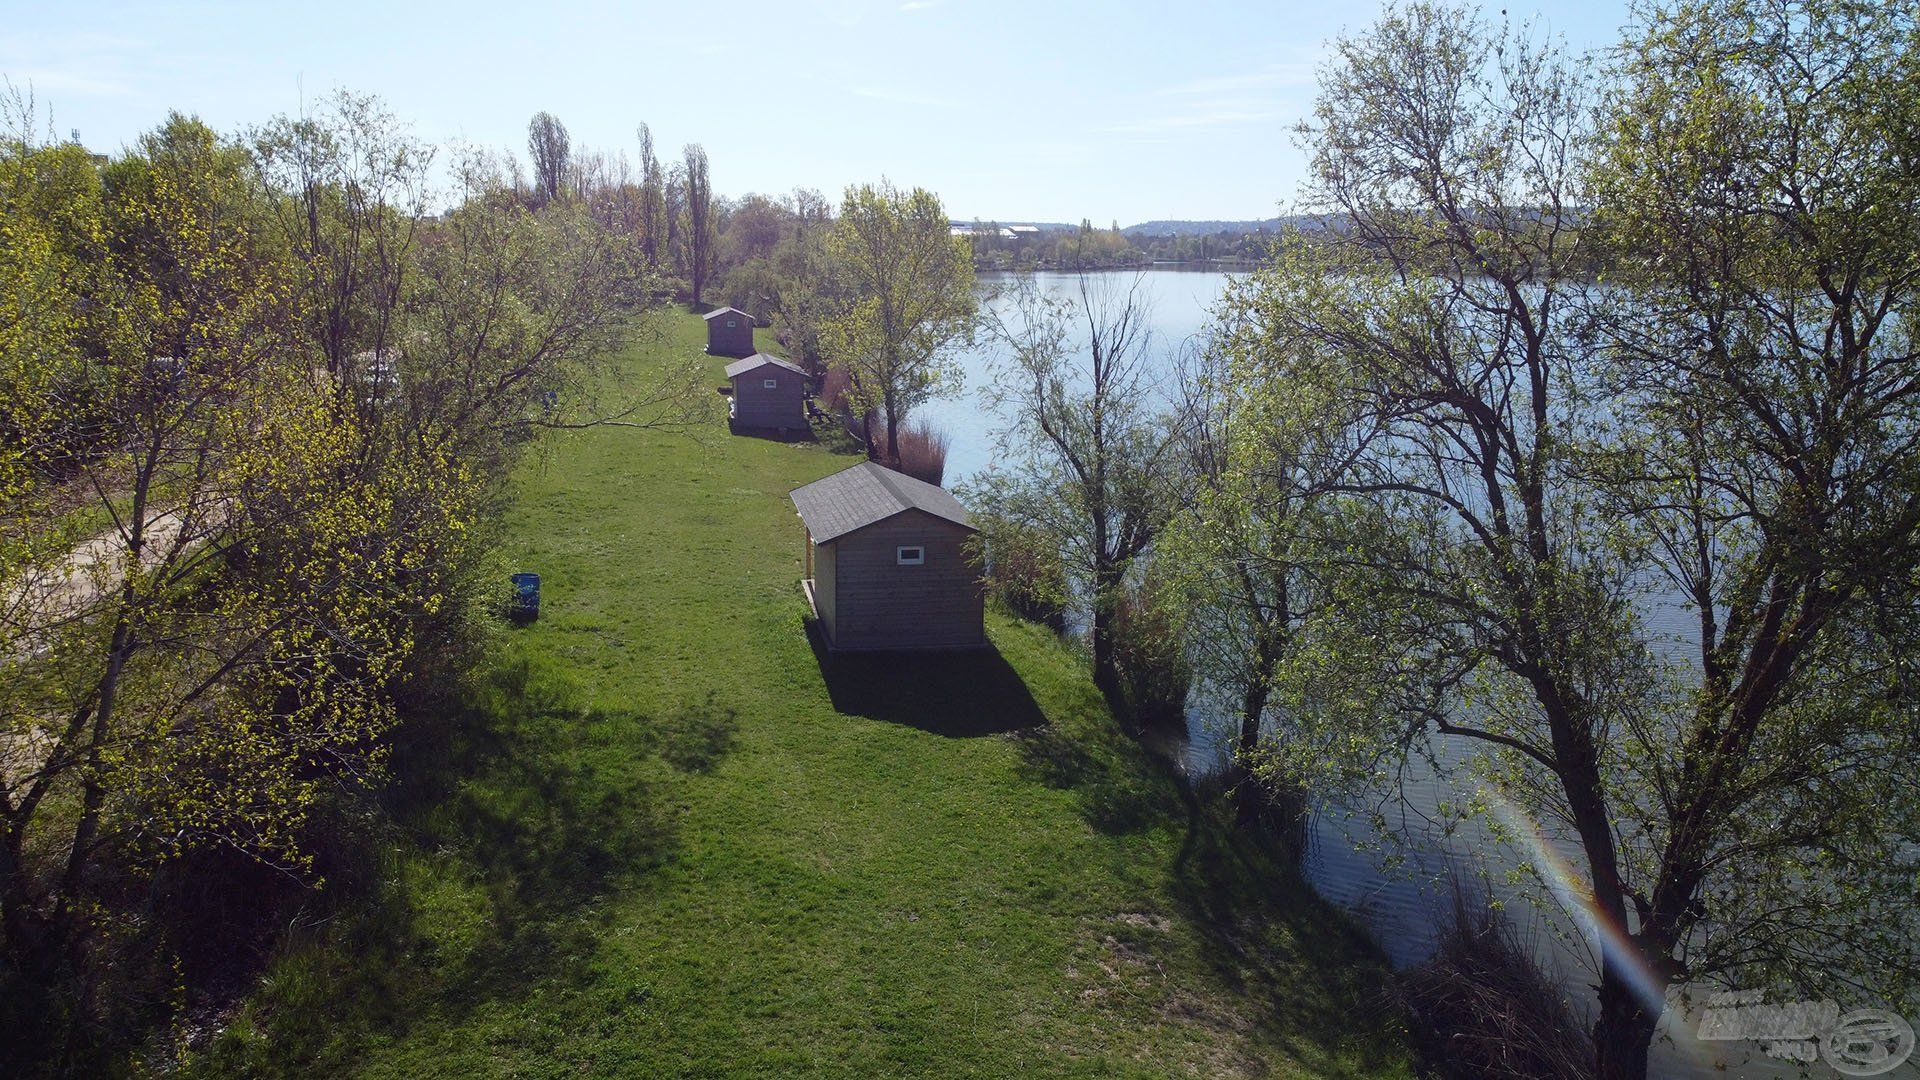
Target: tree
674,197
910,289
1467,578
348,185
140,678
808,291
754,229
548,146
1543,462
653,202
285,543
1758,179
1091,464
701,230
1265,442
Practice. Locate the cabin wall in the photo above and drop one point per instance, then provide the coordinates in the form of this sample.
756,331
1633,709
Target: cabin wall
880,604
823,585
734,340
755,406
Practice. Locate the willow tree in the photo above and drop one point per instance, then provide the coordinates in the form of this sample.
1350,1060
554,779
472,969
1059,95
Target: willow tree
1266,436
910,288
1470,596
1731,420
1761,176
1092,466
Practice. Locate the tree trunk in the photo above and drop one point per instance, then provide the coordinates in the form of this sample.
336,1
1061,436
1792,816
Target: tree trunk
1106,671
1624,1031
93,794
1106,666
1249,794
19,917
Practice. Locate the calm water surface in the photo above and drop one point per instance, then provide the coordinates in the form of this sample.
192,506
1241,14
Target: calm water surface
1401,904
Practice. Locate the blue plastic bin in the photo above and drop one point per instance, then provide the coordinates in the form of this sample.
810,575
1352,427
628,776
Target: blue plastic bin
526,598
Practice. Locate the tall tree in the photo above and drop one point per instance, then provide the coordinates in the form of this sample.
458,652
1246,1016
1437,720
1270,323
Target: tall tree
910,285
812,290
349,187
549,147
1091,463
1759,177
653,202
1471,580
1729,427
702,230
674,196
1266,439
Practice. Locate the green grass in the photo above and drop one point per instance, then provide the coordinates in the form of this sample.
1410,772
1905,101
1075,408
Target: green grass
667,839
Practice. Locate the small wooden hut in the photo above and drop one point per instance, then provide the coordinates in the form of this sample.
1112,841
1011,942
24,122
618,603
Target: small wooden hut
729,332
887,565
768,394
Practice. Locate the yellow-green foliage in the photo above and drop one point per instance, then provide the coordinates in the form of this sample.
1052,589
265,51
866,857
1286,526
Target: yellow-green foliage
225,541
911,299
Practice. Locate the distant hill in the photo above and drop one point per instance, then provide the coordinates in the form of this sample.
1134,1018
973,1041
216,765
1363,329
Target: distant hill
1209,228
1187,228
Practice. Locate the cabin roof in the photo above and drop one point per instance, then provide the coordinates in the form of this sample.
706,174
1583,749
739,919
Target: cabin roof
760,359
855,498
722,311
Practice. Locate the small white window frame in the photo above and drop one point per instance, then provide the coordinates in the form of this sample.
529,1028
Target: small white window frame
918,558
731,324
770,384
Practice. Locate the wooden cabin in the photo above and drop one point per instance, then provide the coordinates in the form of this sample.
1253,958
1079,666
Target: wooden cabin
768,394
729,332
887,565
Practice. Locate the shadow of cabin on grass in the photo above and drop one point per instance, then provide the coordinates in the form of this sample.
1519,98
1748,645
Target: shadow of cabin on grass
962,694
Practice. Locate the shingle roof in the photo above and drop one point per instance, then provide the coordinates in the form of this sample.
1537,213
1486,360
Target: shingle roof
856,498
760,359
722,311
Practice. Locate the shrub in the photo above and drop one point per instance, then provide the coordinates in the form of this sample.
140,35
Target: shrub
1482,1007
835,393
1149,649
1023,570
923,452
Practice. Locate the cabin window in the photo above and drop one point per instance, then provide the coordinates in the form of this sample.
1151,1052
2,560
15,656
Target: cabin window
910,556
771,384
731,324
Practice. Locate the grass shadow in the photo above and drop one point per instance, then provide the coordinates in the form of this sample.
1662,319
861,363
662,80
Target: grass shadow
516,814
1265,936
961,694
1121,788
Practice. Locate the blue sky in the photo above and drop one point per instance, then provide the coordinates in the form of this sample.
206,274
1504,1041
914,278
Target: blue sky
1030,110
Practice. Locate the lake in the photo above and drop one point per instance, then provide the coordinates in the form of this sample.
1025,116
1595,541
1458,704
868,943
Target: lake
1400,906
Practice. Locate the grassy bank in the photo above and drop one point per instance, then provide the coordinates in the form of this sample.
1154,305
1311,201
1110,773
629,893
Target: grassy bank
668,838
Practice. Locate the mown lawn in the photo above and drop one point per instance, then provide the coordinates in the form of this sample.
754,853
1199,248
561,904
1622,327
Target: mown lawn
668,840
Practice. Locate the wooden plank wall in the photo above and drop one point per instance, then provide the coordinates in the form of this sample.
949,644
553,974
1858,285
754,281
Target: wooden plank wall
879,604
755,406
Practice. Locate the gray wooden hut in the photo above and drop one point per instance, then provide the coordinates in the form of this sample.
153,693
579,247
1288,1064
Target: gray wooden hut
769,394
887,565
729,332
